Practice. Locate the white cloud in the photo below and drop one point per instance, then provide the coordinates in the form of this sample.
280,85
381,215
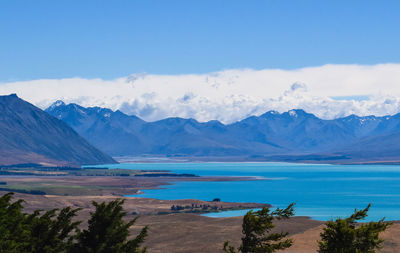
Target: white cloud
229,95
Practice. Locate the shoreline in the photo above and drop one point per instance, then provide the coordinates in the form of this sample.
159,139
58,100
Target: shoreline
119,186
244,160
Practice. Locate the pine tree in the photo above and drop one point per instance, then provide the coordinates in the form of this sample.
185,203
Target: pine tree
346,236
257,236
55,232
46,233
14,232
108,232
52,232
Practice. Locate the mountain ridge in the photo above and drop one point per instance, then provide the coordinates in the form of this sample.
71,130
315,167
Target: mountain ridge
293,133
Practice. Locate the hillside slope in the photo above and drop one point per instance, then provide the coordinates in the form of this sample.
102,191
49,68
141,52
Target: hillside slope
30,135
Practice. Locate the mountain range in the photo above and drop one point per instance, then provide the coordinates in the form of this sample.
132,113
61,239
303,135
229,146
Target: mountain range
30,135
290,136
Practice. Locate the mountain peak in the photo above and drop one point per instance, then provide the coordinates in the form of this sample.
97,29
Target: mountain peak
58,103
298,114
298,111
293,113
11,96
272,112
268,114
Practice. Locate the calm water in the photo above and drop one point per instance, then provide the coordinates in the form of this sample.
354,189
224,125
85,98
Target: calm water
320,191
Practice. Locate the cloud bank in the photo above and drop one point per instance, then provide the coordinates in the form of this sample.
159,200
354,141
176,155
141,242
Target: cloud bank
328,91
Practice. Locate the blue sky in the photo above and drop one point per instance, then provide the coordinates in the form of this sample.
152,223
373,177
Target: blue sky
110,39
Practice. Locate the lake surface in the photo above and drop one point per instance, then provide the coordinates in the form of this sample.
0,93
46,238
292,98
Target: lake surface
320,191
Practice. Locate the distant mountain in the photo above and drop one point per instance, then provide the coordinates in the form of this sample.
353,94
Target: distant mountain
381,148
294,135
30,135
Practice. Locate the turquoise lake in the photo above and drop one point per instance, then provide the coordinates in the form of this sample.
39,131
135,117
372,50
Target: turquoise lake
319,191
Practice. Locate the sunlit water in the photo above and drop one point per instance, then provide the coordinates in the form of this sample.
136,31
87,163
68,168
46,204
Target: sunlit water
320,191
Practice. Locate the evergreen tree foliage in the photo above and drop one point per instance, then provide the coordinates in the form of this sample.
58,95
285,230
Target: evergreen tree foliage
108,232
55,231
257,236
346,236
46,233
52,232
14,232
